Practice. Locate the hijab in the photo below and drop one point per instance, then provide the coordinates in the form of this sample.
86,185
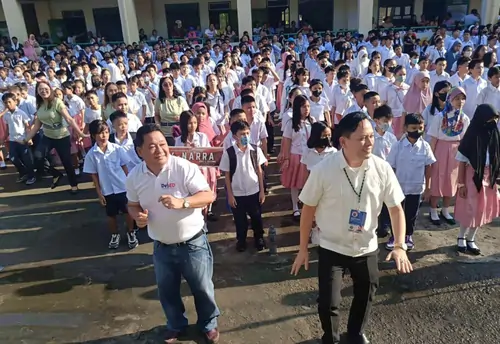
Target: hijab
453,124
204,125
360,65
482,137
417,100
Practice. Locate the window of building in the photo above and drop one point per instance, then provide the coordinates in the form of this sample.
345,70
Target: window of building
188,14
108,23
317,13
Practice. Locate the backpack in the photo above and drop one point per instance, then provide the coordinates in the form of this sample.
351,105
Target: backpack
233,161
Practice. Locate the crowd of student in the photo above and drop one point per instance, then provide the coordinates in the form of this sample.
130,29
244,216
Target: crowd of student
84,108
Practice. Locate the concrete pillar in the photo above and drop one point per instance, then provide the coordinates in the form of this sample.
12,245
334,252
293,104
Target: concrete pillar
418,9
294,11
485,9
128,18
244,8
364,16
15,19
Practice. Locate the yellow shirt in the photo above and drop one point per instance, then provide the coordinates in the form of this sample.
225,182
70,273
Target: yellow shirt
170,112
54,125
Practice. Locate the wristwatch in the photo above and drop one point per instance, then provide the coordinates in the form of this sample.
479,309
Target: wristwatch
402,246
186,204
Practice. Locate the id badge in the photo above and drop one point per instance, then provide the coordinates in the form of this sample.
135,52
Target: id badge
357,221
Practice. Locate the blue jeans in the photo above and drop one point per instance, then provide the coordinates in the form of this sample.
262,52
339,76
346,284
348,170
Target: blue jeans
194,262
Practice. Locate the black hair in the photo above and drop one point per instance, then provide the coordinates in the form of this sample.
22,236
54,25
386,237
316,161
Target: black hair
462,60
97,126
488,59
236,112
474,62
493,71
239,125
117,96
8,95
183,123
369,69
440,59
383,111
413,118
329,69
248,79
116,115
147,128
342,74
358,87
435,100
369,95
386,63
315,82
247,100
68,85
246,92
317,129
161,94
91,92
298,102
347,125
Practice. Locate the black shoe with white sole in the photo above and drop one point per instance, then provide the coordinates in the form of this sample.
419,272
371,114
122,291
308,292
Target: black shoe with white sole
114,243
132,240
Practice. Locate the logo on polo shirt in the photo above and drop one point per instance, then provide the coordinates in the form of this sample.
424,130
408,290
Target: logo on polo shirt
168,186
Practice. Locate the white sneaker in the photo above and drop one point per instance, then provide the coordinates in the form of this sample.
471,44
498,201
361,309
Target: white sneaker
132,240
115,241
77,171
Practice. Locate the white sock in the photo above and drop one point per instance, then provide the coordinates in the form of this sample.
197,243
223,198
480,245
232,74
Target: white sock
210,207
295,199
446,213
2,164
461,236
434,214
471,237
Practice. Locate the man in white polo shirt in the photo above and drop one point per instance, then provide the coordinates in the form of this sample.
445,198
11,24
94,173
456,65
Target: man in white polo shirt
167,194
346,202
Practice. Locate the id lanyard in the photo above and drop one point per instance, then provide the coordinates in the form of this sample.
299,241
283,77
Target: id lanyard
358,194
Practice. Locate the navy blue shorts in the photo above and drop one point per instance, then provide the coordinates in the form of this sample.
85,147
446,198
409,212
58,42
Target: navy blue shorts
116,204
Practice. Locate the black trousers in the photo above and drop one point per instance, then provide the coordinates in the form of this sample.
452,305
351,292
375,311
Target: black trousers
384,220
411,207
22,158
270,135
248,205
364,273
63,149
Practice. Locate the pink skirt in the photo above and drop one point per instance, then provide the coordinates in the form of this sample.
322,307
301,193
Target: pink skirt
479,208
210,174
445,170
396,126
3,131
295,176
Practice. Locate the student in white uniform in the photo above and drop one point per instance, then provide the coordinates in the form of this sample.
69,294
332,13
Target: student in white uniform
439,95
462,74
245,185
412,158
123,138
439,74
120,102
92,109
491,94
386,79
137,97
395,94
107,163
473,86
320,109
342,97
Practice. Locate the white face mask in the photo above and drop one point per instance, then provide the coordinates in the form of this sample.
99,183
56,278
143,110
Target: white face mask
18,74
468,53
146,79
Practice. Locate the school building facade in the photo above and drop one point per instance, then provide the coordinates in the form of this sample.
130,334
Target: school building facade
120,20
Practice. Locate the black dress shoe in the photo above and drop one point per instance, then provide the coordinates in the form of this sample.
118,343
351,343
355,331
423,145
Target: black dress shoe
461,249
435,222
241,246
359,339
451,221
474,251
260,244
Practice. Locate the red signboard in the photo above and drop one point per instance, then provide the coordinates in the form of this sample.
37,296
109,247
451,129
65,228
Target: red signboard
206,156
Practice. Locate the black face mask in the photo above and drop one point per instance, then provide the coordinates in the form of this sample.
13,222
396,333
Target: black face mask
442,96
325,142
316,93
392,69
415,134
323,65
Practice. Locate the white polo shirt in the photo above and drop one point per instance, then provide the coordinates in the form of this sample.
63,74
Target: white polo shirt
140,101
179,178
16,122
128,146
108,166
334,198
410,161
245,180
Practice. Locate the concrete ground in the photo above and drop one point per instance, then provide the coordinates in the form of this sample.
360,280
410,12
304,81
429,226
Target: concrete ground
62,285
